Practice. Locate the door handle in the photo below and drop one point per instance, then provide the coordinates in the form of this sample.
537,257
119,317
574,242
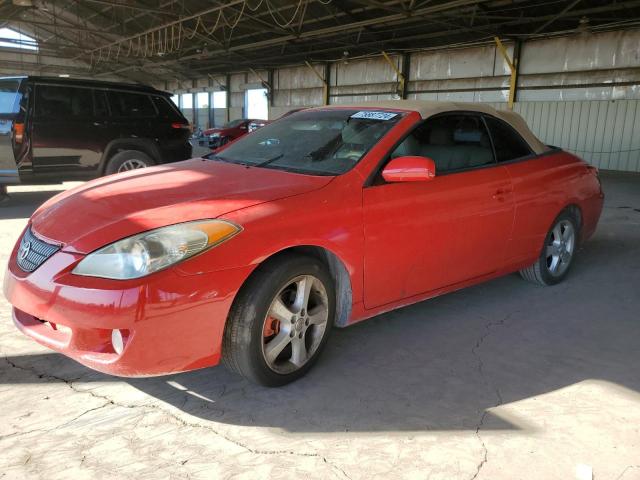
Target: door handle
500,193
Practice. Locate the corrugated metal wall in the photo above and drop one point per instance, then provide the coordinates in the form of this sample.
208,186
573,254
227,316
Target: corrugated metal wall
605,133
579,92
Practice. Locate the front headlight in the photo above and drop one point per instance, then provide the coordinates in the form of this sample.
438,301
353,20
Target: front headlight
214,135
148,252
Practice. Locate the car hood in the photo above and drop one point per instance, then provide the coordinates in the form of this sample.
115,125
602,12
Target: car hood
107,209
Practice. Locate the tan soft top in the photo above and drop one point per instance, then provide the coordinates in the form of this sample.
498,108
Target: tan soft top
427,109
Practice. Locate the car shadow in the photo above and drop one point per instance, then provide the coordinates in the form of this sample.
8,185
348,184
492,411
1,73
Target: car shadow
438,365
442,364
22,204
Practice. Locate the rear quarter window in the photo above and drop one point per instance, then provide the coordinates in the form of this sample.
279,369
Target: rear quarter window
167,110
508,144
131,105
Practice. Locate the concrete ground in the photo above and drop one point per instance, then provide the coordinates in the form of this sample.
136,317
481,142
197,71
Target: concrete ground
505,380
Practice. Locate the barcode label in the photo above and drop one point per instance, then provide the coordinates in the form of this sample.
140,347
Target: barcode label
371,115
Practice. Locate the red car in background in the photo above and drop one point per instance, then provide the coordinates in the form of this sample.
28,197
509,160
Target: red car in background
256,124
324,218
217,137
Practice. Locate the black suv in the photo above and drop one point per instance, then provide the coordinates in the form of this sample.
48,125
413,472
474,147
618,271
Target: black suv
56,129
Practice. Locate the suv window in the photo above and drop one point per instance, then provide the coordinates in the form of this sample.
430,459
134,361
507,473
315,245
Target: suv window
508,143
100,99
54,101
453,142
167,109
133,105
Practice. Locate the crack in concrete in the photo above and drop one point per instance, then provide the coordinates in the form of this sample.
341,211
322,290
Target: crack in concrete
62,425
627,468
488,330
181,421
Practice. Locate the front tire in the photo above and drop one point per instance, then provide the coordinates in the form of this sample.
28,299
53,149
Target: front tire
280,321
557,253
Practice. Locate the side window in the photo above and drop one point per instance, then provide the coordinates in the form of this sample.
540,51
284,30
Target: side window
55,102
508,143
132,105
167,109
454,142
100,103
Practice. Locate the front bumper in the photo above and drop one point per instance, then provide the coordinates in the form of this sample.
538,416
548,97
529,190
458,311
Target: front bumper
172,322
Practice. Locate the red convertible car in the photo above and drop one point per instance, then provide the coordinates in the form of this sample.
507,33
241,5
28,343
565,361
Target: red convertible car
324,218
217,137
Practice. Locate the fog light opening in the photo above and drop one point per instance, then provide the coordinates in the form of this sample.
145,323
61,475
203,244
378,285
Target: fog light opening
117,341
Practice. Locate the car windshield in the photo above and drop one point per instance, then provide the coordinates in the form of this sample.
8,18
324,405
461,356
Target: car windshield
233,123
318,142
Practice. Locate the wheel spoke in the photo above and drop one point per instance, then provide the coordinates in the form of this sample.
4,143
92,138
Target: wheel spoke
280,311
557,233
567,235
551,250
276,345
298,351
555,261
302,293
318,316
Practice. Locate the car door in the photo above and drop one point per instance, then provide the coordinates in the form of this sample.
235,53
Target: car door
539,191
11,128
423,236
66,140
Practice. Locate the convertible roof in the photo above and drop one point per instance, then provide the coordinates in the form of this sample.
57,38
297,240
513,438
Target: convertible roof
427,109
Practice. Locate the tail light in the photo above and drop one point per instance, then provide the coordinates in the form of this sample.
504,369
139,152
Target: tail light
179,125
18,132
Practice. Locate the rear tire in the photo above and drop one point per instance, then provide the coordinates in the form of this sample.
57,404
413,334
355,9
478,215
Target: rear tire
128,160
274,335
557,254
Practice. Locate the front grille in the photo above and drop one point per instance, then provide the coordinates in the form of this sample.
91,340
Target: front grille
33,252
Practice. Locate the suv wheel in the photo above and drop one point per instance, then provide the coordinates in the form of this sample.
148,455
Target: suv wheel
128,160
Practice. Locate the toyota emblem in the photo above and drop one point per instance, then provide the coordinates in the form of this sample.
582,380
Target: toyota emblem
25,248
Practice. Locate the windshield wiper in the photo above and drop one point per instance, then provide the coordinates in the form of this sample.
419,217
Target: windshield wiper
266,162
213,156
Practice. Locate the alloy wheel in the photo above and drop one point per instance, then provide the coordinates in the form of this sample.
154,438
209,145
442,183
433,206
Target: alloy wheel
560,247
295,324
132,164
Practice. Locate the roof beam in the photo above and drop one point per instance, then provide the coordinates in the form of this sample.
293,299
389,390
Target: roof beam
561,14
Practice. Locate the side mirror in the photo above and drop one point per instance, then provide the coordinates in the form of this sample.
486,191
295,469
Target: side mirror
409,169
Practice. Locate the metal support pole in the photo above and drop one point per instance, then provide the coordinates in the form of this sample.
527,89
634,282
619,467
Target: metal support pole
194,110
270,82
325,85
399,75
513,81
210,109
517,55
406,68
228,90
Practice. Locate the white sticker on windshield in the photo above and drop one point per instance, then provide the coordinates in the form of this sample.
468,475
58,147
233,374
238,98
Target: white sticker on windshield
371,115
